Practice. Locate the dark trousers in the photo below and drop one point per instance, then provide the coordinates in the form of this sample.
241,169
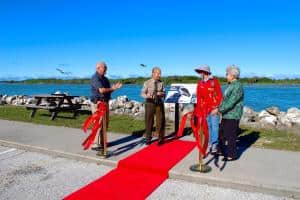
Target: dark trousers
227,137
157,110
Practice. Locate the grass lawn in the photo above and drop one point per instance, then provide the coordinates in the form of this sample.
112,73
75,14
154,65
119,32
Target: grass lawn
249,136
270,138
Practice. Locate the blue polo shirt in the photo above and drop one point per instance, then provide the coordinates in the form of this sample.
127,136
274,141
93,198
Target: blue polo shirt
97,82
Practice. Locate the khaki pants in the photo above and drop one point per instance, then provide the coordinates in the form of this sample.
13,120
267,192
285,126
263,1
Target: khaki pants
99,139
157,110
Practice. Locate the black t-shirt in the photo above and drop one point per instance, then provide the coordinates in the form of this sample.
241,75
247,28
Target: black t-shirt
97,82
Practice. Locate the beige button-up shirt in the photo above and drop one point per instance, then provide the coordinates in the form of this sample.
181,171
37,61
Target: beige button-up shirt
149,87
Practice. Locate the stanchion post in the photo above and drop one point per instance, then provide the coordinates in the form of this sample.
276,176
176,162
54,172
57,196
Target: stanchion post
200,166
176,121
104,132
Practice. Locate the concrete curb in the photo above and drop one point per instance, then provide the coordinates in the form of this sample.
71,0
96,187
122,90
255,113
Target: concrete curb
54,152
212,181
243,186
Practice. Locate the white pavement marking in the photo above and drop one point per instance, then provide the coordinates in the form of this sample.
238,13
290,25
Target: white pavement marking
7,151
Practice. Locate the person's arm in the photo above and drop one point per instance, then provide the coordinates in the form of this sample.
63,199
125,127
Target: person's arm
218,92
229,103
163,91
114,87
217,97
144,92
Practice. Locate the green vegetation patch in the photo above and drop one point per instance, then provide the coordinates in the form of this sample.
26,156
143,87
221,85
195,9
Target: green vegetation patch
118,123
262,138
270,138
167,80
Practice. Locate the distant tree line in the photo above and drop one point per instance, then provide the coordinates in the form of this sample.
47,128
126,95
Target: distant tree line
167,80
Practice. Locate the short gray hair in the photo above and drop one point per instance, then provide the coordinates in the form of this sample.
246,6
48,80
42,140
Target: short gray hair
233,70
101,63
156,68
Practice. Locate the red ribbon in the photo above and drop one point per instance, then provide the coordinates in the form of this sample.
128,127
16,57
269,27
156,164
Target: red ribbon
95,120
199,125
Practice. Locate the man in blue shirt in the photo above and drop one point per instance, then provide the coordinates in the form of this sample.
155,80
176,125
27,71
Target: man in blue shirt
101,91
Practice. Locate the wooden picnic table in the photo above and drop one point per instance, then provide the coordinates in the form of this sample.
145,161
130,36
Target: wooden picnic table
54,103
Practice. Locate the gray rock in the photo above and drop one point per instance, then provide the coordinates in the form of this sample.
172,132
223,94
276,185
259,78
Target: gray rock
129,105
83,98
135,109
270,120
169,107
187,108
57,92
87,102
284,120
266,119
10,99
249,115
3,98
76,100
127,111
142,109
170,116
273,110
31,101
119,111
122,99
293,114
113,104
20,100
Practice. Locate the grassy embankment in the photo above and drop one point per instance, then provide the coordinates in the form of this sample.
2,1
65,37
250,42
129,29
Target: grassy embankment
262,138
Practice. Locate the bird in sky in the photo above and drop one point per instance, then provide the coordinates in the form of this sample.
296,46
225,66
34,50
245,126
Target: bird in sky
143,65
62,71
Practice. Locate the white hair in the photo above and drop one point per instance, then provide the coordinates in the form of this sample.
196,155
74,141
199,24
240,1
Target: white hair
233,70
101,63
156,69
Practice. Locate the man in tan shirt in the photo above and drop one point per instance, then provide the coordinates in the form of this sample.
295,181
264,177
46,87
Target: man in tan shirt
153,91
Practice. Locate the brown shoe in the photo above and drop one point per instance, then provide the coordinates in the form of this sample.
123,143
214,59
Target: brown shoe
155,134
160,142
229,159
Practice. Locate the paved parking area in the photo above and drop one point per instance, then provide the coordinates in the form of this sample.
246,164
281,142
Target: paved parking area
29,175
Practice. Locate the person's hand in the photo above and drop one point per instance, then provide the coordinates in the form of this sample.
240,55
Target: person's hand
117,85
161,94
149,96
214,111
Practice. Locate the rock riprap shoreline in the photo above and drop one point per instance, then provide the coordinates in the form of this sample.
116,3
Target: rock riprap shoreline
270,117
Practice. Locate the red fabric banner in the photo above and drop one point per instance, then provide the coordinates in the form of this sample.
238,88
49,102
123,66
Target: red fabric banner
199,126
95,121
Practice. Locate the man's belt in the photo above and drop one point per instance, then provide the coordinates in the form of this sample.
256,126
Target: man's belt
158,101
95,101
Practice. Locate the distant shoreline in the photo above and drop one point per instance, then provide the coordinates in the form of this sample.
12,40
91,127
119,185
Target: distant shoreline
167,80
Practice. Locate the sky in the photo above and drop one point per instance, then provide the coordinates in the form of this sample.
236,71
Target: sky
38,36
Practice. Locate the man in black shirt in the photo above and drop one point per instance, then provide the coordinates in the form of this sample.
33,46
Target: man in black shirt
101,91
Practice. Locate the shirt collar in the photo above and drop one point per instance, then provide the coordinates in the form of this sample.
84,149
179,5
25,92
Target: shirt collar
99,76
209,78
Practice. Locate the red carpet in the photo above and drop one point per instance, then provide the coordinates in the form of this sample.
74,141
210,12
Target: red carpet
138,175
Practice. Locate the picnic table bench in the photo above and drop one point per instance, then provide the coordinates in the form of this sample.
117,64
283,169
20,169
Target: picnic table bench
55,103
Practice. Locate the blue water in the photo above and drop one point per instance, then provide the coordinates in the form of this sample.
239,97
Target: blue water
257,97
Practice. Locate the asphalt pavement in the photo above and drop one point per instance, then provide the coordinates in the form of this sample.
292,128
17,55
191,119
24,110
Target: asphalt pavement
29,175
257,170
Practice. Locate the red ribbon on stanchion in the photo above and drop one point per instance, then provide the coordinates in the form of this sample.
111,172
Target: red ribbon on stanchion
95,120
198,124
